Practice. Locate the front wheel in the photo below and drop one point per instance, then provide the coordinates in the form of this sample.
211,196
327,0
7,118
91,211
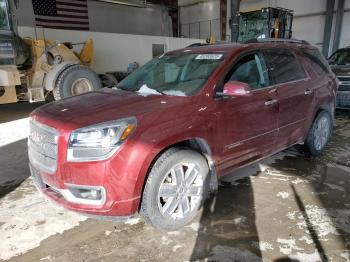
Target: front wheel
76,80
319,133
175,190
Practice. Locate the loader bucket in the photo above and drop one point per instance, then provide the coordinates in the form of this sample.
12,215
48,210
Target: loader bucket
87,52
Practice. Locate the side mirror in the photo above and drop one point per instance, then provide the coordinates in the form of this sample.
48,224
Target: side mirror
235,89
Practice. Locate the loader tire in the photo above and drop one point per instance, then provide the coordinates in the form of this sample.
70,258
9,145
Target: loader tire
76,80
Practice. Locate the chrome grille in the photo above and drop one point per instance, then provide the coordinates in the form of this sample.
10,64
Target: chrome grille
42,147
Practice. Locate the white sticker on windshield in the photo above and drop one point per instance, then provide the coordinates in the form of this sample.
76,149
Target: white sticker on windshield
209,56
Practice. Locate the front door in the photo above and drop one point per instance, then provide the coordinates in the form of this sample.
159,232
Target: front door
248,125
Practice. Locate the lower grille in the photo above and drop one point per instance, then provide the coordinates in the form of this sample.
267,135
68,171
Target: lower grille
42,147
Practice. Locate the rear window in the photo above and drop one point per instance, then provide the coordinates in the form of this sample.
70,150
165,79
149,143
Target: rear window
283,66
318,62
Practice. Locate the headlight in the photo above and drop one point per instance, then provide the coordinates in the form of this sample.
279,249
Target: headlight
99,142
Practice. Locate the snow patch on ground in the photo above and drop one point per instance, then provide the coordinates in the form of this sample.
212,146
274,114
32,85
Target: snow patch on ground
194,226
305,257
346,255
14,131
166,241
262,245
133,221
239,220
307,240
326,221
299,181
283,195
26,221
287,246
226,254
176,247
174,233
291,215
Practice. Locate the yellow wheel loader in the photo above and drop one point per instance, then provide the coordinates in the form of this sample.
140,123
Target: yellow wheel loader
40,69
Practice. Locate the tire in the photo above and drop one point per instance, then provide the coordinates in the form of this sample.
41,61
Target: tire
163,210
108,80
319,134
76,80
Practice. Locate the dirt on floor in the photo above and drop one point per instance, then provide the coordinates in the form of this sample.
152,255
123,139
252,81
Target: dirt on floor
290,207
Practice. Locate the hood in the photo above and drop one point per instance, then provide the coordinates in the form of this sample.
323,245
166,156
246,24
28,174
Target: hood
105,105
341,70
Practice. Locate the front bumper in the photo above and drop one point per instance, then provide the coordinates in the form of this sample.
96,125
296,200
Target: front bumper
107,206
120,178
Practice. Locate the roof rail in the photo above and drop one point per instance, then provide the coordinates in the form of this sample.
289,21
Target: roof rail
276,40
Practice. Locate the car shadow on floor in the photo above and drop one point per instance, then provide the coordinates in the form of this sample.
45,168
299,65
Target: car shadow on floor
13,166
227,225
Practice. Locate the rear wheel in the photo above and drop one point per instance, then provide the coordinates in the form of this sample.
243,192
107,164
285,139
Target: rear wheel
319,133
175,189
76,80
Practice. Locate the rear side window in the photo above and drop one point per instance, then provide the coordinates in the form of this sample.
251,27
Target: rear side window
318,62
283,66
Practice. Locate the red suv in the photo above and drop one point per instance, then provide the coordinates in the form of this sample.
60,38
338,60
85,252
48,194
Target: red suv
159,143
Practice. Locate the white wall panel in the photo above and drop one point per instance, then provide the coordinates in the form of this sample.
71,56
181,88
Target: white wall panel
309,28
200,19
345,32
113,52
113,18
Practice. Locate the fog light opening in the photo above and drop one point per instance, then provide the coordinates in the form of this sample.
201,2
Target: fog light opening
87,194
92,194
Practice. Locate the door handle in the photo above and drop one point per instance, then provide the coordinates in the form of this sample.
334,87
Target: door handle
308,92
271,102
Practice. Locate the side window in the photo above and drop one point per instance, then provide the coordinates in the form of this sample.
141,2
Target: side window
318,62
283,66
250,69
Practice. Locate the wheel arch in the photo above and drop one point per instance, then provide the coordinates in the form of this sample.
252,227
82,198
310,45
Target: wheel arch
329,107
197,144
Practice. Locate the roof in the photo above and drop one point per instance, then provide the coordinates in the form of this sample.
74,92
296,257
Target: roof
221,48
231,47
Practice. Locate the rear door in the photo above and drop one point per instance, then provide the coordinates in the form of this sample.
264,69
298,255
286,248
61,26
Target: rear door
294,93
248,124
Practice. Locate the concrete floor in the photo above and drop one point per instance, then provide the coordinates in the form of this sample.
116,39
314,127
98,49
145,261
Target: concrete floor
292,208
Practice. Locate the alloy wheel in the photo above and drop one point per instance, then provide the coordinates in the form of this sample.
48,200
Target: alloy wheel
321,132
180,193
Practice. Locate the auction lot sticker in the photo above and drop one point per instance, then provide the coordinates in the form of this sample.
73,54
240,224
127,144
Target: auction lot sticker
209,56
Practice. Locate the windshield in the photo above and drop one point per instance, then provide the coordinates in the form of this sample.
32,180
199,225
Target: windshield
341,57
4,22
178,75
